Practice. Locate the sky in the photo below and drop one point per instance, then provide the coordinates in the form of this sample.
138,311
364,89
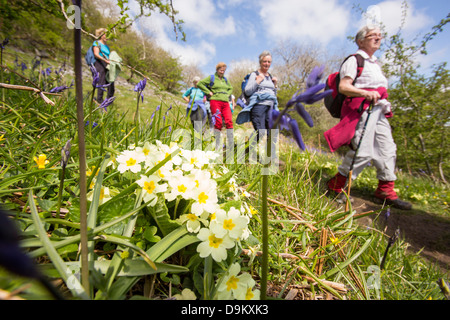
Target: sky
233,31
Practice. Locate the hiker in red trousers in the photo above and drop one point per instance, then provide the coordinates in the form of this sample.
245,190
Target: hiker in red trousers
377,144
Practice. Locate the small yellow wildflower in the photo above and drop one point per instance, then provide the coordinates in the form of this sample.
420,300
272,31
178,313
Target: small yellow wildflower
41,161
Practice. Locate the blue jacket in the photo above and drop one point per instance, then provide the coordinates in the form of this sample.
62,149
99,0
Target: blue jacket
245,114
195,105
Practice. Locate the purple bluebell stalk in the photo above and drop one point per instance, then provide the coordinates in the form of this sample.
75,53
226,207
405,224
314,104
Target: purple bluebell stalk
58,89
96,79
106,103
65,154
311,95
283,122
4,43
213,118
315,76
23,66
94,124
296,133
140,87
300,108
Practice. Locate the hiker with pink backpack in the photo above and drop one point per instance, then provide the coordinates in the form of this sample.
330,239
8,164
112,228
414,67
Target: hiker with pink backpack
364,124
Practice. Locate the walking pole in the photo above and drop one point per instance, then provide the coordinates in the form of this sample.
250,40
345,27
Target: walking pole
350,172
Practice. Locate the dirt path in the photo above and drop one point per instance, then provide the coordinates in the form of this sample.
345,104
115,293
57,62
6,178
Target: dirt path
422,230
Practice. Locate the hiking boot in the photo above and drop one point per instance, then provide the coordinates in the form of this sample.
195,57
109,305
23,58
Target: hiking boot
342,198
396,203
339,197
386,193
337,183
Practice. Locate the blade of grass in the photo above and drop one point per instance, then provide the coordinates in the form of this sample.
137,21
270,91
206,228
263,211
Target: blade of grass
75,287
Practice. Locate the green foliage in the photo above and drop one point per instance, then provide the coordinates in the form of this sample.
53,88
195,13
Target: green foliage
421,122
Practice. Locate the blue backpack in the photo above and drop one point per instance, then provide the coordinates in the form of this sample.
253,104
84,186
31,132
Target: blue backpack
89,57
211,81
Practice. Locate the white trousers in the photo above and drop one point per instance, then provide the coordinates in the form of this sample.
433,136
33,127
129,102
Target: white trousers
377,146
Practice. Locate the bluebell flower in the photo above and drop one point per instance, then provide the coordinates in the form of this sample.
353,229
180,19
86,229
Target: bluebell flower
106,103
300,108
96,79
65,154
23,66
315,76
140,87
310,95
61,88
4,43
296,133
213,118
94,124
387,214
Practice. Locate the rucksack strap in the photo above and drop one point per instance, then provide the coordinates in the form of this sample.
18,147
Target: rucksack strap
211,81
359,64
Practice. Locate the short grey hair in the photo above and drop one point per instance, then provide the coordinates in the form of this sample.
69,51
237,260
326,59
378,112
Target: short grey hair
196,79
263,55
364,31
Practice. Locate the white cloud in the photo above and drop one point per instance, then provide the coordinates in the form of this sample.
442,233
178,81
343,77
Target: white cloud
203,18
319,20
391,14
189,54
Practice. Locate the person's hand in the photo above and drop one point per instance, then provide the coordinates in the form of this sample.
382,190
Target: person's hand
259,78
372,96
107,61
275,81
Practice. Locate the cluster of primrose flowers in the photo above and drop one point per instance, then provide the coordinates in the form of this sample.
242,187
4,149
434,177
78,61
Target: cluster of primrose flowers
191,175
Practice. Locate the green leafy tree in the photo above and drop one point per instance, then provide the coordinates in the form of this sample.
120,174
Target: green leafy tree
420,104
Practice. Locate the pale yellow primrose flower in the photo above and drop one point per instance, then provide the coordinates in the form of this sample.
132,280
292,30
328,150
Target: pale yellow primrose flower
234,285
195,159
105,195
180,186
41,161
205,197
193,222
186,294
230,223
130,160
213,245
151,188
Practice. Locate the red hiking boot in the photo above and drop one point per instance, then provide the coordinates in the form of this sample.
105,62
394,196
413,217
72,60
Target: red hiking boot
335,187
386,193
337,183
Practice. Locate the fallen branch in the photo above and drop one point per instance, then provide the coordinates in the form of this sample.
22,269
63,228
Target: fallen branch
16,87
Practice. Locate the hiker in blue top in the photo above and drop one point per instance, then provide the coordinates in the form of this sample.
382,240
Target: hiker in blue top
262,90
101,53
196,104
